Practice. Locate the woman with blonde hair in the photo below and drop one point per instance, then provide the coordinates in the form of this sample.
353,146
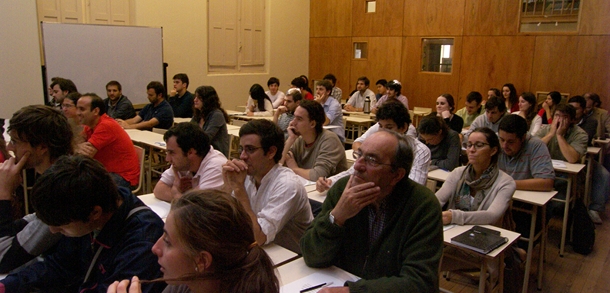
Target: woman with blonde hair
208,246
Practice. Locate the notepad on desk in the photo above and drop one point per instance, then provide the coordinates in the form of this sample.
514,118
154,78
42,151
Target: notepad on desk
479,239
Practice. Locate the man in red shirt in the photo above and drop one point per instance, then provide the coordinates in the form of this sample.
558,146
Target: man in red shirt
107,142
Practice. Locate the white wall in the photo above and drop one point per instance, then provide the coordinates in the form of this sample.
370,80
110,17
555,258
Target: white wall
20,73
184,25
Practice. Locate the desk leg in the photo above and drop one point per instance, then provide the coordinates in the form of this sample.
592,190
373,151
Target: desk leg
149,171
530,248
566,210
542,248
483,276
587,196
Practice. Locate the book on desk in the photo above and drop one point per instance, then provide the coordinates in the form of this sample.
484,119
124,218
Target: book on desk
479,239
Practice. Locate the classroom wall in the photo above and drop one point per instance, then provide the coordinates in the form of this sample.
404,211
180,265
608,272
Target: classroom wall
20,71
488,48
185,40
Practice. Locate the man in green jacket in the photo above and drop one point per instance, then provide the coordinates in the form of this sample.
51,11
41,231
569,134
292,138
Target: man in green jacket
378,224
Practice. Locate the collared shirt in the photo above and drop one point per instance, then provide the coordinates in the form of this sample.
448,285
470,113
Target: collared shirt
163,112
332,109
575,136
532,161
357,99
482,121
281,206
284,121
337,93
209,175
468,118
384,98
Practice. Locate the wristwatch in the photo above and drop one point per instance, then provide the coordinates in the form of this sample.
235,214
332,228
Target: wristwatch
331,218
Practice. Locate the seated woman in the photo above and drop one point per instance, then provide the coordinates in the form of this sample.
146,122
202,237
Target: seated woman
527,110
510,97
444,108
212,118
259,103
548,107
444,143
208,246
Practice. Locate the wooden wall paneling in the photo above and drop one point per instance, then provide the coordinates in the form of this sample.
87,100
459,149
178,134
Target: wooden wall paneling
491,61
573,64
433,17
383,61
422,88
386,21
594,17
331,55
491,17
330,18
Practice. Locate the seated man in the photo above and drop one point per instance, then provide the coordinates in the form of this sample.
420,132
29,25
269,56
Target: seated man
495,110
117,105
391,116
285,113
336,93
107,232
39,136
381,88
275,95
443,142
356,101
60,88
271,194
393,93
157,114
593,109
195,164
107,142
332,109
472,109
312,151
181,99
378,224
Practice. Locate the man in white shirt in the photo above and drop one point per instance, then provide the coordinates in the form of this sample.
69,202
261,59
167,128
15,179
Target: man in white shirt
332,108
275,95
271,194
356,101
195,164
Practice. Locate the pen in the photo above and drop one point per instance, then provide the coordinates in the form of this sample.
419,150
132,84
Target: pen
314,287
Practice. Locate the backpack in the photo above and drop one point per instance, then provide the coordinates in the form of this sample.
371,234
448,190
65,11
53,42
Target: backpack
583,228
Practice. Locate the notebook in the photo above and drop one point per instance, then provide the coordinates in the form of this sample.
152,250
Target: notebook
480,239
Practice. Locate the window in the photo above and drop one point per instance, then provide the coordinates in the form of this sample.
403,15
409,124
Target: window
361,50
437,55
371,6
549,15
236,36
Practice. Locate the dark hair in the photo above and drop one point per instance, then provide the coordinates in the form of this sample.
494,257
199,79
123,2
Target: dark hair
182,77
403,157
432,124
214,221
306,80
257,93
566,109
273,80
382,82
512,98
115,83
578,99
210,102
364,79
450,101
73,97
189,136
595,98
394,85
298,83
531,112
270,135
556,97
43,125
326,84
3,150
496,91
331,77
157,86
64,84
514,124
474,96
315,112
396,111
296,95
492,140
495,102
70,189
96,102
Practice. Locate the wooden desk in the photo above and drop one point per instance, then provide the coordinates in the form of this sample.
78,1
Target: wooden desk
356,125
296,275
439,175
496,253
571,170
361,114
153,141
242,116
181,120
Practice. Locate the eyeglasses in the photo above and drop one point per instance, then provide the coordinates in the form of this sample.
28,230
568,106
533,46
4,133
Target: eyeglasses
368,159
249,149
477,145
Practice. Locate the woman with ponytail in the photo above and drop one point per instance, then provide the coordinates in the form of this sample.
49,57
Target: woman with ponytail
208,246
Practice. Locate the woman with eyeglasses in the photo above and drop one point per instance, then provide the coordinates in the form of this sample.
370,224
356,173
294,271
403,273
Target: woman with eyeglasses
443,142
208,246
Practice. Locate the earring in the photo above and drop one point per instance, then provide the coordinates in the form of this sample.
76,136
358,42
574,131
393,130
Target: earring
196,269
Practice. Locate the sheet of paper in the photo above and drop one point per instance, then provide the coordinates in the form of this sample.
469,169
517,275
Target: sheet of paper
315,279
559,164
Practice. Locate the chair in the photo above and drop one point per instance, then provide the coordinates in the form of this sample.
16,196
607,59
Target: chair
141,154
541,96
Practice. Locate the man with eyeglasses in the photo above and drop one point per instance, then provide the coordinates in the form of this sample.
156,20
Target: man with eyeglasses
194,162
271,194
40,135
495,110
378,224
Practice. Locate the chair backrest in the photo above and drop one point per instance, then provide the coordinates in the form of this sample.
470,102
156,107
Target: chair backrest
140,153
541,96
422,109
